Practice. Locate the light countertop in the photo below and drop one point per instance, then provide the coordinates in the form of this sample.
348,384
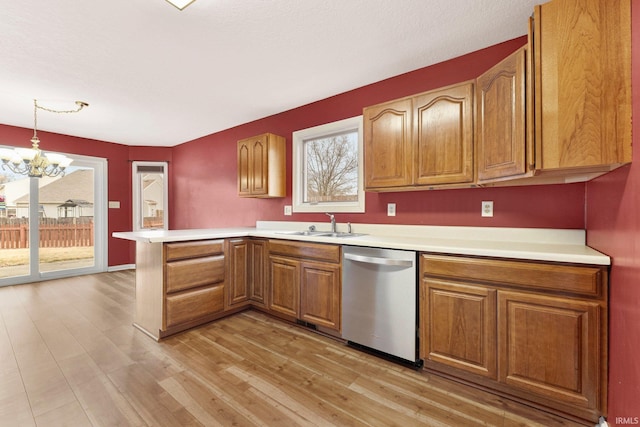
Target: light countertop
557,245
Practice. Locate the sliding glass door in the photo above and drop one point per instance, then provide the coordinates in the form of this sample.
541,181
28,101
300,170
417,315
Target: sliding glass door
53,227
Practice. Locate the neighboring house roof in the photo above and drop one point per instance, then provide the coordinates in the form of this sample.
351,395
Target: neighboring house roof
76,185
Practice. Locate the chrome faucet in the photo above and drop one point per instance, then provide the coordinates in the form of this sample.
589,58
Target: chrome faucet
333,222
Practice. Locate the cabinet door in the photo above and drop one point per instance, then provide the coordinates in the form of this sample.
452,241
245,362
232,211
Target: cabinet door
253,166
285,286
257,271
443,133
582,83
321,292
500,113
388,145
458,327
551,347
238,289
244,173
258,169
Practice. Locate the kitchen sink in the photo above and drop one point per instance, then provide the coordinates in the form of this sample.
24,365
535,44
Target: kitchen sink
321,233
342,234
305,233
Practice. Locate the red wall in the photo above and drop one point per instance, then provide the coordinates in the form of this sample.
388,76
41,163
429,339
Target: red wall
205,191
613,227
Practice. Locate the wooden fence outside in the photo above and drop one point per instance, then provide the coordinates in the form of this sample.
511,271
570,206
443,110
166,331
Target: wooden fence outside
54,232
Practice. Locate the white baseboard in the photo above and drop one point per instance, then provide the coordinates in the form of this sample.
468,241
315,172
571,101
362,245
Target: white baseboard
121,267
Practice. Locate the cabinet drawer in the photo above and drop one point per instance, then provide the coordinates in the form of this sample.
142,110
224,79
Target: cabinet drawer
584,280
192,305
182,250
191,273
316,251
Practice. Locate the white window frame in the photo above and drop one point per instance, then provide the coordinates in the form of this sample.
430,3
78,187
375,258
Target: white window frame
318,132
137,194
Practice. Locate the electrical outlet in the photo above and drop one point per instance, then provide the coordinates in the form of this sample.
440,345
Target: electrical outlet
391,209
487,208
287,210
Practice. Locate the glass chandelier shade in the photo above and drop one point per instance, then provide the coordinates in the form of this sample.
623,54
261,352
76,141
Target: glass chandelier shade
33,162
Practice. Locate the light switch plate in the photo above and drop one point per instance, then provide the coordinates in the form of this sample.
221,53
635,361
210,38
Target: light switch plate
287,210
391,209
114,204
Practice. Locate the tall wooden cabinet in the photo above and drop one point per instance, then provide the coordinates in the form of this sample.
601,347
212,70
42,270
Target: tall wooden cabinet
582,67
261,166
420,141
534,331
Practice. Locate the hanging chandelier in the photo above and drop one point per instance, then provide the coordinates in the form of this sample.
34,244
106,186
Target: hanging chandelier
32,161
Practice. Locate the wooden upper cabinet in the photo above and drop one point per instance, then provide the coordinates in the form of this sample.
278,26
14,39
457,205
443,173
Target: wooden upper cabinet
582,67
261,166
419,141
388,145
443,135
500,119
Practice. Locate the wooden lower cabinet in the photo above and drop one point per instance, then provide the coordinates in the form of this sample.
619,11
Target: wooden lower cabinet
246,286
551,347
179,285
460,327
320,294
258,272
194,283
305,282
284,297
190,306
533,331
238,289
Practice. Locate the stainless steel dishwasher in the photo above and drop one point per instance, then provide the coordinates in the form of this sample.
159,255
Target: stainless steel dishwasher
379,300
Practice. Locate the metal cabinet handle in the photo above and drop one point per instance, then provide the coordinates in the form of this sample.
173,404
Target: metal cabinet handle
379,261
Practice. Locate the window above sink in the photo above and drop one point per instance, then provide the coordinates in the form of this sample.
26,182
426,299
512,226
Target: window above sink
328,168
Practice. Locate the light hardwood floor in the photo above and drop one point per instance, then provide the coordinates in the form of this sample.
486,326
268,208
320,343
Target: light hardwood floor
70,356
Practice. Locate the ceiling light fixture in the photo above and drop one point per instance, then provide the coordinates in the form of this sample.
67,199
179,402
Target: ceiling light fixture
32,161
181,4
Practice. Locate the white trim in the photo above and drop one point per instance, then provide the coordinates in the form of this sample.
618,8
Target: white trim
137,200
101,238
317,132
121,267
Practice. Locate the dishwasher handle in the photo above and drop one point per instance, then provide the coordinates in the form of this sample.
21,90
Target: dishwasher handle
379,261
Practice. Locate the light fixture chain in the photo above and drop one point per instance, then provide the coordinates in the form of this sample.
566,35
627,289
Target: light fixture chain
80,105
33,162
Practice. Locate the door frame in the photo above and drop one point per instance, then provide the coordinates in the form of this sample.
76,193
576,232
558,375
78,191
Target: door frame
101,227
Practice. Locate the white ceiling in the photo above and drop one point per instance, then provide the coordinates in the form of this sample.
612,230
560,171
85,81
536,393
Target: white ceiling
154,75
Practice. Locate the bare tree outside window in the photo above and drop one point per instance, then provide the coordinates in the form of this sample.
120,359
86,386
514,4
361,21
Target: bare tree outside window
327,167
331,168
